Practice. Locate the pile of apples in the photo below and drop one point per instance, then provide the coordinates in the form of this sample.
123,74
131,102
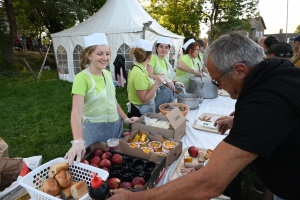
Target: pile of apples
115,183
104,160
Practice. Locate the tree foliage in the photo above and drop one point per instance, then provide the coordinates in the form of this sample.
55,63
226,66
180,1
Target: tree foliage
34,16
178,16
184,16
297,29
223,16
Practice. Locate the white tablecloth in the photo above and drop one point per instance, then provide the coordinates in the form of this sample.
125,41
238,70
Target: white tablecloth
193,137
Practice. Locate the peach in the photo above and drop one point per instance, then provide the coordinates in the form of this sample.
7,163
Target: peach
117,159
193,151
113,183
105,163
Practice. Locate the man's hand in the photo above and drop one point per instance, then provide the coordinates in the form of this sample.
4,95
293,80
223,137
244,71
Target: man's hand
224,123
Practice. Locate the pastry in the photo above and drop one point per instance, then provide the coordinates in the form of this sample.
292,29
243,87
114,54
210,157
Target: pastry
64,178
55,169
51,187
79,189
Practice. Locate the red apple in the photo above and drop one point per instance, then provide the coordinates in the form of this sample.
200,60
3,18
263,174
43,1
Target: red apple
138,180
193,151
107,155
105,163
113,183
95,160
98,152
106,169
138,186
117,159
85,162
125,185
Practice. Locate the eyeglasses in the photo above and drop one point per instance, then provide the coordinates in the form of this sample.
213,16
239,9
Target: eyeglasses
216,82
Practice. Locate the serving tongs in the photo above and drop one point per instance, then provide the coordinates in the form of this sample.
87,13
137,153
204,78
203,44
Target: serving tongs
175,90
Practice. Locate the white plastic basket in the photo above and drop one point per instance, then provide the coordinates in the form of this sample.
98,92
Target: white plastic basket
79,171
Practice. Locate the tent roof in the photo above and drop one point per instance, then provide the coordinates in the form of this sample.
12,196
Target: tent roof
117,16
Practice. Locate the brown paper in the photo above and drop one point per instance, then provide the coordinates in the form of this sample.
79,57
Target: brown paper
9,171
3,148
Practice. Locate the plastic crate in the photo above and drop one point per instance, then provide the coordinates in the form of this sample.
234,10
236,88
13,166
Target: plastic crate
33,181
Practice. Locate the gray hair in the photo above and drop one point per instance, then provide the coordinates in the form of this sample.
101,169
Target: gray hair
234,48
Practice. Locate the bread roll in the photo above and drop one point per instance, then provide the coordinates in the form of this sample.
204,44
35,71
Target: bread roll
51,187
56,168
64,178
66,193
208,153
79,189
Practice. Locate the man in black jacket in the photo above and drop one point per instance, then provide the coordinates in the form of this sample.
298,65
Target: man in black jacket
265,128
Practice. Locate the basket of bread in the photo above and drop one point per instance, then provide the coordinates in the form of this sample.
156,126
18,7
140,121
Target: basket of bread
166,107
57,180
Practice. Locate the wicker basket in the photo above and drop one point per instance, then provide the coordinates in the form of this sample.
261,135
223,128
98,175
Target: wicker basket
178,104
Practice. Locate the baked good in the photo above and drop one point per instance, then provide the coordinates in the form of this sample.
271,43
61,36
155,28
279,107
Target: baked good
201,158
79,189
51,187
56,168
64,178
66,193
208,153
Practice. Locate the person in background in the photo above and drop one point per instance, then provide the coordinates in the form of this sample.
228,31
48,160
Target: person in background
159,64
296,49
96,114
43,43
140,88
265,130
48,42
186,67
261,41
120,70
280,50
200,59
271,39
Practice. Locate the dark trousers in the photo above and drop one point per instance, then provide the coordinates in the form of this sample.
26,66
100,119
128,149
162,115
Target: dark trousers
233,190
134,112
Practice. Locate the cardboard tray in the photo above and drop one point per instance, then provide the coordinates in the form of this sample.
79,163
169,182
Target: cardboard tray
176,119
175,173
127,151
204,128
170,158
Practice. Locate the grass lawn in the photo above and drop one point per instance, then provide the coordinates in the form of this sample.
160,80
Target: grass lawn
35,116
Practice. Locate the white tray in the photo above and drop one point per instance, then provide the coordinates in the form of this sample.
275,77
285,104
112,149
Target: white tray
33,181
223,93
175,173
204,128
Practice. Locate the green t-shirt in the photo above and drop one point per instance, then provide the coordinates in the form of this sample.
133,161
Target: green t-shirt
82,83
186,59
157,62
137,80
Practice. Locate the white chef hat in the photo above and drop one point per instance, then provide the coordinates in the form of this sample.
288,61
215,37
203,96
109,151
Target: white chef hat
95,39
144,44
163,40
185,46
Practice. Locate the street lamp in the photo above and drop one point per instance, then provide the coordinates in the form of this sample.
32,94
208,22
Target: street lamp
145,26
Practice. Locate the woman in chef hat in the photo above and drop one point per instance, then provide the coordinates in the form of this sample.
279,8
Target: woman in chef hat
141,89
96,114
186,67
159,63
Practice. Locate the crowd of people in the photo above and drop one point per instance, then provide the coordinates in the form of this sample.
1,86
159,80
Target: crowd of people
29,44
264,128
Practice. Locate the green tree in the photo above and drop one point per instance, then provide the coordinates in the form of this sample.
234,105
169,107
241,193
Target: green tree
178,16
297,29
35,16
223,16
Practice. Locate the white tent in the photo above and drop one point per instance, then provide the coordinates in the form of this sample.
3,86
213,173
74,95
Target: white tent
121,21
